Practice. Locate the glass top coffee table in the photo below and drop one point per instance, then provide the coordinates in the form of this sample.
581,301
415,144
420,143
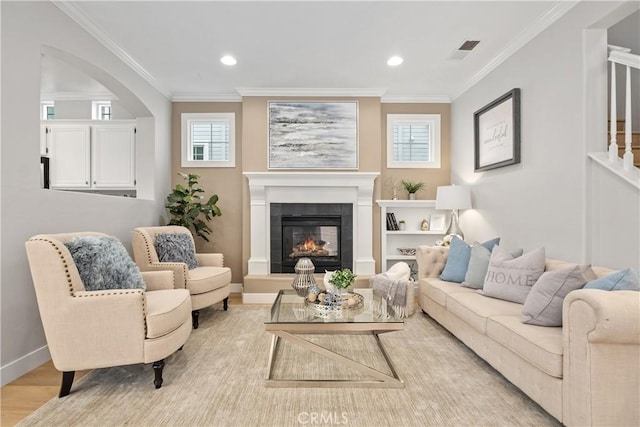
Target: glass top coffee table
291,316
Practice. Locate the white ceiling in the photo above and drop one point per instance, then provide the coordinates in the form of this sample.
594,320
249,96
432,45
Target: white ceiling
321,45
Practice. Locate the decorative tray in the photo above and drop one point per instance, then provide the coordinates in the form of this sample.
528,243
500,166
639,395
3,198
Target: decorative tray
336,308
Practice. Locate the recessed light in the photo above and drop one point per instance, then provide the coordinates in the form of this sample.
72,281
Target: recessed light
395,61
228,60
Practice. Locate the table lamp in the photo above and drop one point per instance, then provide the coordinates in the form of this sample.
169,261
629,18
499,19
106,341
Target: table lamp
453,197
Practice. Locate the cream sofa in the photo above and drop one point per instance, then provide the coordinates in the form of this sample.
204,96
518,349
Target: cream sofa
586,372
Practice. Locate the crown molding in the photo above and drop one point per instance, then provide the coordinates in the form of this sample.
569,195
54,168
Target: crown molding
322,92
416,99
207,97
518,42
78,96
82,19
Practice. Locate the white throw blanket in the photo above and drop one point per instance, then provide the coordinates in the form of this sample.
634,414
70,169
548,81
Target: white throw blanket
393,287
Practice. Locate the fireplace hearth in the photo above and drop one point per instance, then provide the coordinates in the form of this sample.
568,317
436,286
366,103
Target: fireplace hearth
322,232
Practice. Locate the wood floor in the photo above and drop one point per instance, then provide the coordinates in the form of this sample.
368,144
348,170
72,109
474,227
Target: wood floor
29,392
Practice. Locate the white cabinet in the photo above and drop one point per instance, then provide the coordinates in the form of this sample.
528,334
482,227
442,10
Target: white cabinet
89,156
70,155
113,155
413,212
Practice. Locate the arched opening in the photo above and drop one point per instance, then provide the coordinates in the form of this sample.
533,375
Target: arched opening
97,136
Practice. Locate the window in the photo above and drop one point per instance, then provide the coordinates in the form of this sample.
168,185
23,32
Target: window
208,140
101,110
48,111
413,140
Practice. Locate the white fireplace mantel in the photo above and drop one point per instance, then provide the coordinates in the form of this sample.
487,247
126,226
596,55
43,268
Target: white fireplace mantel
311,187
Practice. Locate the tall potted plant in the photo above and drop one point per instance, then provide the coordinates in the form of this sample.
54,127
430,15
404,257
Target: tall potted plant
185,206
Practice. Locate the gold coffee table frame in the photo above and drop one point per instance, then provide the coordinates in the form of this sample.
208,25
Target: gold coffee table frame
284,324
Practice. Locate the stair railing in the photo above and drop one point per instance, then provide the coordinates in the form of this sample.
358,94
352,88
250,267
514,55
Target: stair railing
622,56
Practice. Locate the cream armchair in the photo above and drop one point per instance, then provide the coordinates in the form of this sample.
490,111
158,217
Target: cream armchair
208,283
99,329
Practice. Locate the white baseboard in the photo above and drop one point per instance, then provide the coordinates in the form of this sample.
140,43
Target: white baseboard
14,370
258,298
236,288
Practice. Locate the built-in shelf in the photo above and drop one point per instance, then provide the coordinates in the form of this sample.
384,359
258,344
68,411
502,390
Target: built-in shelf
413,212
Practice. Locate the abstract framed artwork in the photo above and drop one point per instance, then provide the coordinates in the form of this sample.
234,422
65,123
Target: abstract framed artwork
497,132
313,135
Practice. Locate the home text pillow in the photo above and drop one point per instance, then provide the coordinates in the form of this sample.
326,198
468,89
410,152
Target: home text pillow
510,278
458,259
479,264
624,280
176,247
543,305
103,263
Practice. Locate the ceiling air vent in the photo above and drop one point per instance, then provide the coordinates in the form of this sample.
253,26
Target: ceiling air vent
464,49
469,44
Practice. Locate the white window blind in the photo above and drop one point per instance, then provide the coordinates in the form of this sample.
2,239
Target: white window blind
411,142
211,139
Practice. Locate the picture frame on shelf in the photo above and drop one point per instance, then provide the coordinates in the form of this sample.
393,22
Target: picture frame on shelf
437,222
313,135
496,128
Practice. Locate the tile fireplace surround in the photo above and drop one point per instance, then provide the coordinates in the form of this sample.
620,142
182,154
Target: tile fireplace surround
311,187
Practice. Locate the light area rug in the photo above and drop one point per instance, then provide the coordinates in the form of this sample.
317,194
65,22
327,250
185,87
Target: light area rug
218,380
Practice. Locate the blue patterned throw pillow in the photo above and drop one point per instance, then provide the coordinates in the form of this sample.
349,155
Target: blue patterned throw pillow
458,259
624,280
176,247
103,263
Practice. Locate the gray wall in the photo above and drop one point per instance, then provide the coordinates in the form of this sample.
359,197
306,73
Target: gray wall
543,201
26,209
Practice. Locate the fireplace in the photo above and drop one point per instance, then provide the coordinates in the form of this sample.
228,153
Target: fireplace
322,232
267,189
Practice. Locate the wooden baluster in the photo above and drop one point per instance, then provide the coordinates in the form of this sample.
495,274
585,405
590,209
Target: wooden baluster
628,154
613,129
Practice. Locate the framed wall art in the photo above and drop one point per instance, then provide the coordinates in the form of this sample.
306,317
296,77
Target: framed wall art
313,135
497,132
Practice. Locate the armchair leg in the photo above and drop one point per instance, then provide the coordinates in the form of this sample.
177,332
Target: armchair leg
225,303
194,318
67,380
157,370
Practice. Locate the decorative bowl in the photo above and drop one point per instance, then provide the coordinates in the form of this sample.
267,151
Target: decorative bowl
407,251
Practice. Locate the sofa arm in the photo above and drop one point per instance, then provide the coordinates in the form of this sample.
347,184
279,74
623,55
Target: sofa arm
180,271
601,373
210,260
431,260
158,280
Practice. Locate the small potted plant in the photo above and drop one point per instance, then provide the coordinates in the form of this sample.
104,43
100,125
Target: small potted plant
402,225
412,188
342,279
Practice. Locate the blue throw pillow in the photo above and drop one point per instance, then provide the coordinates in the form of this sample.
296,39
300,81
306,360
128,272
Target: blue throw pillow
624,280
458,259
103,263
176,247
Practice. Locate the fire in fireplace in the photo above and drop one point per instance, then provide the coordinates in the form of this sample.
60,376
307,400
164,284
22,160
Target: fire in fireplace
312,248
312,237
322,232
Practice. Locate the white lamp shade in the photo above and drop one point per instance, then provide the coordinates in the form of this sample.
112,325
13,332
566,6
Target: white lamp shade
453,197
